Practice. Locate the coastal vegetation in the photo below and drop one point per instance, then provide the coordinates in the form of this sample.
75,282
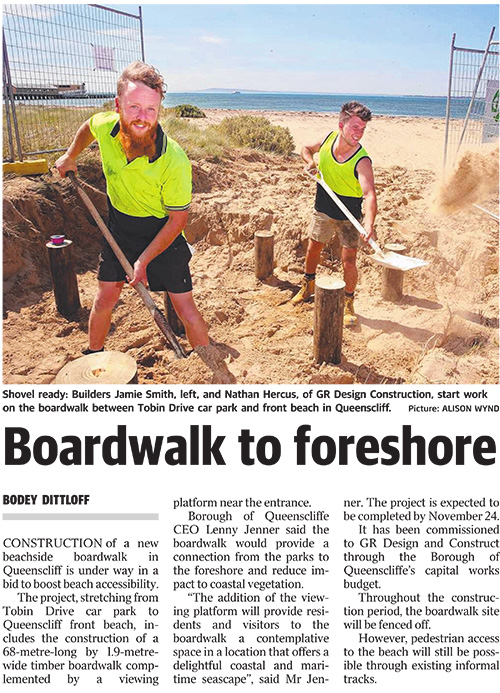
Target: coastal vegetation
234,132
256,132
186,110
50,128
46,128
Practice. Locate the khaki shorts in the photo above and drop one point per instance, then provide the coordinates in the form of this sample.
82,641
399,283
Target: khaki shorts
323,228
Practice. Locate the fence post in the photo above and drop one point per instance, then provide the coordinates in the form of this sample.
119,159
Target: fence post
328,319
448,104
392,279
64,279
8,116
10,95
264,254
142,35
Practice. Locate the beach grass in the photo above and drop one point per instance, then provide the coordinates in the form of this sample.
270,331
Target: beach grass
197,142
256,132
234,132
43,129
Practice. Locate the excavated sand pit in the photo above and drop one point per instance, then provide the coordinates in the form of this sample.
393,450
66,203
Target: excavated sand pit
445,329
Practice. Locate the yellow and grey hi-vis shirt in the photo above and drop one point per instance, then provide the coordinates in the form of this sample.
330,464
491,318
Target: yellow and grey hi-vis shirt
342,178
142,188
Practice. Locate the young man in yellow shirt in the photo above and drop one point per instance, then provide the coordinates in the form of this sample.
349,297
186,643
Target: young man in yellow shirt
347,170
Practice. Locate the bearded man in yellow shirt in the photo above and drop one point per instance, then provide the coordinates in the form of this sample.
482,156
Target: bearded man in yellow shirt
148,182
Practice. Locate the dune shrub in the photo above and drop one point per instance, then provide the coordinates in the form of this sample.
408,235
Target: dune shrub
257,132
186,110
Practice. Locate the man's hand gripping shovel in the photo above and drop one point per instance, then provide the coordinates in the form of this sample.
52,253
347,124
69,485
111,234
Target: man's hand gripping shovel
159,318
388,259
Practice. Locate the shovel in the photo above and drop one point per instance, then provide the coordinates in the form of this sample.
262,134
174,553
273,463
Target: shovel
159,318
388,259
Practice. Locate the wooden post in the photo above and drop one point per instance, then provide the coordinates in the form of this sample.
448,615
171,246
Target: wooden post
392,279
173,319
264,254
63,277
328,319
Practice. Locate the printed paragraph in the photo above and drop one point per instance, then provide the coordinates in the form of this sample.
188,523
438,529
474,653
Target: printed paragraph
80,610
411,567
251,581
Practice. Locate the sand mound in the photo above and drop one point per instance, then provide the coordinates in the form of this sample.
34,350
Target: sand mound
474,179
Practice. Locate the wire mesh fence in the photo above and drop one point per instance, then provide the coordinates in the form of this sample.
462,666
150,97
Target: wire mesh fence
61,64
472,109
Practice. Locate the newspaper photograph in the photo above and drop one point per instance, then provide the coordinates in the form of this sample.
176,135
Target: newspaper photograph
250,357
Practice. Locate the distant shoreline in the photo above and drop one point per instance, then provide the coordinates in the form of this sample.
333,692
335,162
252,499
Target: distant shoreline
412,106
220,113
310,93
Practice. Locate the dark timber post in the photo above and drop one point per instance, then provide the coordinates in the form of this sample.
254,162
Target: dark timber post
328,319
392,279
264,254
63,278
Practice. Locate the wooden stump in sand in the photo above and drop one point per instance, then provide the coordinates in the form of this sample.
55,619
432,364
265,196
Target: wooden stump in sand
63,277
264,254
173,319
392,279
328,319
103,368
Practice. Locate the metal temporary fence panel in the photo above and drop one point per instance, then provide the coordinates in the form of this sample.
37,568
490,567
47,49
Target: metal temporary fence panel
472,108
61,64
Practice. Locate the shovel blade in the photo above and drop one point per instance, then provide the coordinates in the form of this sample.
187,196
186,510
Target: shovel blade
397,261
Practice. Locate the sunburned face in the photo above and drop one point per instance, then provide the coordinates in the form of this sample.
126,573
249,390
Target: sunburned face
352,130
139,107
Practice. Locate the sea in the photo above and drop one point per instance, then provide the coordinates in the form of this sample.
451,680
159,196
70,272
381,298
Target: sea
410,106
417,106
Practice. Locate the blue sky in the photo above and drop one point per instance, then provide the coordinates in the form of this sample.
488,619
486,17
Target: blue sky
355,48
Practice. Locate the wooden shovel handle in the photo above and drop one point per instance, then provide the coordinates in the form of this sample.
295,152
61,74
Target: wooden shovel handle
319,179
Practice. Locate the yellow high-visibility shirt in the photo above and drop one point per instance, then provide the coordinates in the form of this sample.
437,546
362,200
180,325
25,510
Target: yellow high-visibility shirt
142,188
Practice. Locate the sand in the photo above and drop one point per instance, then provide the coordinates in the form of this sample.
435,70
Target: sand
412,142
444,329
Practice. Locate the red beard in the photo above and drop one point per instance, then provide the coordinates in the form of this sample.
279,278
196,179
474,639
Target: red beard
136,146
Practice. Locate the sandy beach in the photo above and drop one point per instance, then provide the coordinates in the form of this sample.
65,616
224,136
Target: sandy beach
390,140
444,329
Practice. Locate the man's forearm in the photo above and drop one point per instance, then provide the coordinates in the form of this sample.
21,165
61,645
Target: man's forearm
81,141
307,155
370,211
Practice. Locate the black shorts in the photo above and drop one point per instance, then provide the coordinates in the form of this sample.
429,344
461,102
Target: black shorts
168,271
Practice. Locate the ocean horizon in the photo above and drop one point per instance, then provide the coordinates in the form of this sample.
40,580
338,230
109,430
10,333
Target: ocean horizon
299,102
411,106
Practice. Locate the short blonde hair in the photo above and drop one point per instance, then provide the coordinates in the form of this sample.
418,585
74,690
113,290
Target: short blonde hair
143,73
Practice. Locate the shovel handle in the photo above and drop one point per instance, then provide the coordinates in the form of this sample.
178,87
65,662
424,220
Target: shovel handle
320,180
100,223
157,315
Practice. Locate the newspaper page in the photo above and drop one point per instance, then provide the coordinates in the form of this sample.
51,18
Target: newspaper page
215,526
228,536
